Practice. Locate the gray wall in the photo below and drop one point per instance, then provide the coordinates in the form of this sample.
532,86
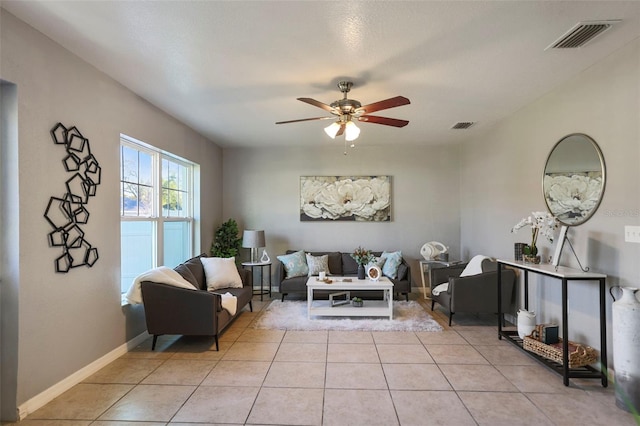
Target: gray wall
262,191
501,175
67,321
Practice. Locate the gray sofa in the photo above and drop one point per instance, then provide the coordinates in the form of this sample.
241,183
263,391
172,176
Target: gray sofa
475,293
341,264
174,310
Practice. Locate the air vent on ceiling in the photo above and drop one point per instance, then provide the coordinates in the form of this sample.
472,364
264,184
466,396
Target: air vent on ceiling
462,125
581,34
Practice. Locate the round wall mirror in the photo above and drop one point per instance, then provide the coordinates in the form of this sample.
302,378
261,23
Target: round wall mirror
574,179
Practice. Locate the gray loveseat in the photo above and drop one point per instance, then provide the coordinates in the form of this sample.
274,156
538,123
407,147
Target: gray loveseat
174,310
341,264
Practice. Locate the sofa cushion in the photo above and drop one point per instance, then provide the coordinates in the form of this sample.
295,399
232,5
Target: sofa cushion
402,272
349,265
221,272
194,265
295,264
317,264
186,273
391,264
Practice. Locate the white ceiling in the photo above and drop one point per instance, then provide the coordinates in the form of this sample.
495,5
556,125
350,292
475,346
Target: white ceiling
230,70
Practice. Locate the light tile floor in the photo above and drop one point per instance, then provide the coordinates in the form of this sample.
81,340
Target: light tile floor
461,376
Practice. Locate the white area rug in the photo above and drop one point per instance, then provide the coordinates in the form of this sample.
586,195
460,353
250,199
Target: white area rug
292,315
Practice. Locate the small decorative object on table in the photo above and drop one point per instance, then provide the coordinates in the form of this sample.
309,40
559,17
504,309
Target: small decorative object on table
542,223
362,257
357,302
374,272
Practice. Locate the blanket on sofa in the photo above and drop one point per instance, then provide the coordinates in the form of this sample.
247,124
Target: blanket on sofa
162,275
166,275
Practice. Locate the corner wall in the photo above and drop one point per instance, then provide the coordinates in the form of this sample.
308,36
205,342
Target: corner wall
67,321
501,182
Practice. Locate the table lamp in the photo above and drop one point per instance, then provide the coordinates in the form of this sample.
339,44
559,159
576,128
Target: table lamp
254,240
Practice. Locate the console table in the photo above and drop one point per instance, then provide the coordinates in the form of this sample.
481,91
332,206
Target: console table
565,275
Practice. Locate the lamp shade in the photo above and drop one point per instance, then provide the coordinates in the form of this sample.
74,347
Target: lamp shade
351,131
332,129
253,239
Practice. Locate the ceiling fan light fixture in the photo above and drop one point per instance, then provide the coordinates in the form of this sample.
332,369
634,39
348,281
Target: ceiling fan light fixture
332,129
351,131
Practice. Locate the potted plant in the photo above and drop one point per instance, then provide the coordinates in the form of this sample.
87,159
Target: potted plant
542,223
226,242
362,257
357,302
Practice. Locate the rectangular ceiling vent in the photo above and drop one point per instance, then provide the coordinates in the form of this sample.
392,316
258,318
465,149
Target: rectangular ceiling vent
462,125
581,34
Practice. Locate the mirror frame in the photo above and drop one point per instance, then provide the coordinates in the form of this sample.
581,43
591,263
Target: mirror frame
602,168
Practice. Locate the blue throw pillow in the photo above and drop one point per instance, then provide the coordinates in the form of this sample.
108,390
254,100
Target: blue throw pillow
295,264
393,260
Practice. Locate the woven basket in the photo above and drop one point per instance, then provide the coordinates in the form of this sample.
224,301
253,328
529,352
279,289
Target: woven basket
579,355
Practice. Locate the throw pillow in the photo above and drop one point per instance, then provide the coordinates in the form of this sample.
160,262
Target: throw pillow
392,261
317,264
474,267
295,264
377,261
221,272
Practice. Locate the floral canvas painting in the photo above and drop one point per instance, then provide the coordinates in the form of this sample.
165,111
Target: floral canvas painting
357,198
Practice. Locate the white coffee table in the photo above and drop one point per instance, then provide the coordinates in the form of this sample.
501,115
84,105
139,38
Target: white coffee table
371,308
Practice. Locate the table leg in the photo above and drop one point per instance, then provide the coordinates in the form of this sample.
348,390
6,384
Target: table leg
309,300
424,285
565,334
500,301
603,335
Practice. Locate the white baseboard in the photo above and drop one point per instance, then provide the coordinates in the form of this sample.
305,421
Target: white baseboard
67,383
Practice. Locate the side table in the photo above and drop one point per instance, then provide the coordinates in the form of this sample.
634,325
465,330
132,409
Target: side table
260,266
427,265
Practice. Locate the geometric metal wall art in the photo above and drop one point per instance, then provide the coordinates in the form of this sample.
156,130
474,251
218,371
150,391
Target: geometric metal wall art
65,214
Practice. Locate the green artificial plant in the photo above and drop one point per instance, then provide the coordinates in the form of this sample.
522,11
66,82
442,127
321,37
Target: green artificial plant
226,242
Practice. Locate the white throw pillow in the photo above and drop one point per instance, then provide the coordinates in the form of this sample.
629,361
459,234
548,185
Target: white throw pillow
317,264
474,267
221,272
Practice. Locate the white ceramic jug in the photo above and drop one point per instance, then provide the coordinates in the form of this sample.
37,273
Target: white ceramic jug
625,324
526,322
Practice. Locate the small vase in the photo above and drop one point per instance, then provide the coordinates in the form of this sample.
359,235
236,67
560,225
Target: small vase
361,272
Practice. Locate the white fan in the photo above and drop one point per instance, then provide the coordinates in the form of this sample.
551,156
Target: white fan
432,250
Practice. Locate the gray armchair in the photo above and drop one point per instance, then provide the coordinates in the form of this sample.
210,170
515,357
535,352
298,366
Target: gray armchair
475,293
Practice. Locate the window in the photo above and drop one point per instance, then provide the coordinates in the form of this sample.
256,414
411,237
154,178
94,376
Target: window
156,209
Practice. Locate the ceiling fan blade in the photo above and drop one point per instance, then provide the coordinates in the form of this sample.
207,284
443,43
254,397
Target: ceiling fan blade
306,119
387,103
383,120
317,103
341,130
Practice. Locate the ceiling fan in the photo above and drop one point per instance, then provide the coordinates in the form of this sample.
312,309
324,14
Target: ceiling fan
345,111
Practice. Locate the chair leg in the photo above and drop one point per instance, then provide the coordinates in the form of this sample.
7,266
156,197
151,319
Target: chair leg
217,346
433,302
153,344
450,316
406,296
283,295
250,306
